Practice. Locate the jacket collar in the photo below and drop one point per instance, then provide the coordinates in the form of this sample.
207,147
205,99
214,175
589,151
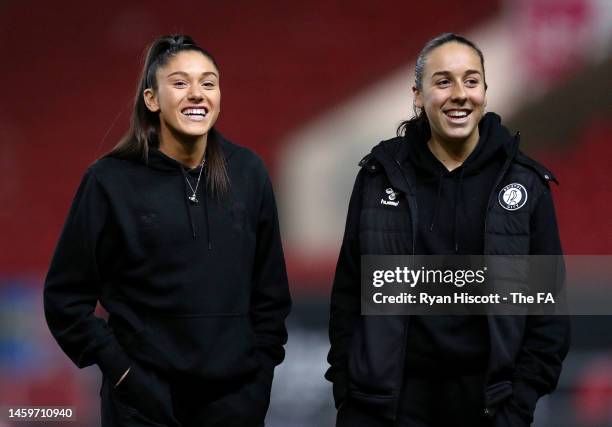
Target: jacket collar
400,176
392,154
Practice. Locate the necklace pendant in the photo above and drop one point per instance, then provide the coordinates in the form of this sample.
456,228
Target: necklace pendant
193,199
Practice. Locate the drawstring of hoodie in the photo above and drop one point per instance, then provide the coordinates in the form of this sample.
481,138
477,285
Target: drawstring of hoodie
208,227
437,206
457,200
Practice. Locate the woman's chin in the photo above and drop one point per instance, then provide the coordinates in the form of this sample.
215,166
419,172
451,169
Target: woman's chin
457,137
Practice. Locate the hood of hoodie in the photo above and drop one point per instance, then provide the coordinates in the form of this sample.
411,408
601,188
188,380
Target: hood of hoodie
163,163
493,138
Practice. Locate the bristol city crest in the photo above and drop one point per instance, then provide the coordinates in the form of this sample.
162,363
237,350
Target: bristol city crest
512,197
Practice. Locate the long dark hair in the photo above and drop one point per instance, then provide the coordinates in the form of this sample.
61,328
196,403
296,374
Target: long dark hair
144,125
420,118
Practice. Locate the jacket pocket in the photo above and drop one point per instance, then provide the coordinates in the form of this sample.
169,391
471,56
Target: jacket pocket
376,359
497,392
142,398
384,406
495,396
247,405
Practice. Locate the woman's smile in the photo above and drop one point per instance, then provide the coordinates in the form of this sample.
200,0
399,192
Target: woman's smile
195,114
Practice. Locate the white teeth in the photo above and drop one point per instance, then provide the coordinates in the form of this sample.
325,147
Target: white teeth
457,113
194,111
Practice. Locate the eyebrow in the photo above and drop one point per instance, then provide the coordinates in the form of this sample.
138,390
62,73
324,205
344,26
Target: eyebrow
445,73
182,73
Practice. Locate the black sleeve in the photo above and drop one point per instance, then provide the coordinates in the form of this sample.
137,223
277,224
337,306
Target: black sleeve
345,300
270,298
546,339
73,286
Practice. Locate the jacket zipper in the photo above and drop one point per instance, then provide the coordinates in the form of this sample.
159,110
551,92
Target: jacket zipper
493,191
490,203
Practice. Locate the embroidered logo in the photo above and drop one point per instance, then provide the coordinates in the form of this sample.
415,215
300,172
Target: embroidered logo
147,219
391,198
512,197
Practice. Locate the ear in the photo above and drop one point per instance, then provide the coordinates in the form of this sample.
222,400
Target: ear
150,100
418,97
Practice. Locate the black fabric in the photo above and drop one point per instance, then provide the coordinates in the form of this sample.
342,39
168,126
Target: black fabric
367,354
196,290
451,203
146,398
143,398
434,402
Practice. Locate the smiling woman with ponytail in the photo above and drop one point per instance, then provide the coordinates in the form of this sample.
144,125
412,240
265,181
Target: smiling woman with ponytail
175,233
454,174
144,128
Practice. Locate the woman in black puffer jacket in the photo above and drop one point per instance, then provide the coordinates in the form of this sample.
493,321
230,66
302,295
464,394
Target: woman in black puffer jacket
453,183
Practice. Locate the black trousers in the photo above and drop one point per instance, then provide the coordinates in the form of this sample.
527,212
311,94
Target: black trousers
426,402
147,399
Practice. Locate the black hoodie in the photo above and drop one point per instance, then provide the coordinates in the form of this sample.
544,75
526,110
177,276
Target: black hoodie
191,289
452,215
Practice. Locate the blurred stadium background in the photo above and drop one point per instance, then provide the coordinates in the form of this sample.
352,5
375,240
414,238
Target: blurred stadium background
310,86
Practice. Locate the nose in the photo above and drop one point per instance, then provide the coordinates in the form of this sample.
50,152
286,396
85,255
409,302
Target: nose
195,93
458,94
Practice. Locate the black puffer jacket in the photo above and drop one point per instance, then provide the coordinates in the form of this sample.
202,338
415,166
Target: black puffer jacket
367,355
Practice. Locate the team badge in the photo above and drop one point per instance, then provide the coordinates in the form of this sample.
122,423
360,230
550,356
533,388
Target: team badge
512,197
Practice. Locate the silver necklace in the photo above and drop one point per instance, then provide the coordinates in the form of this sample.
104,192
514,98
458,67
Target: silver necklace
193,199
